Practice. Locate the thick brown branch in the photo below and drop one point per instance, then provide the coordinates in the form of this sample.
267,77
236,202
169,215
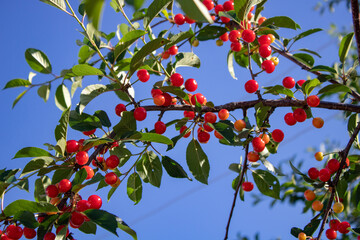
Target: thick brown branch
307,68
343,156
356,23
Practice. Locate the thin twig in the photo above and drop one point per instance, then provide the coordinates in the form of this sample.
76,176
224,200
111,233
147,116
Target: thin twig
356,23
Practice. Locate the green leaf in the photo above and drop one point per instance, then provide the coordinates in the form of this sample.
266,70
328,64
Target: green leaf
310,228
89,93
210,32
97,178
151,137
37,163
127,124
345,46
134,187
297,171
85,70
309,85
262,113
61,130
352,123
267,183
149,168
135,3
309,51
281,21
80,177
174,90
27,219
126,41
322,68
178,38
194,9
88,227
241,59
25,205
278,89
305,58
173,168
40,186
44,92
37,60
154,9
93,9
225,128
123,226
61,174
62,97
32,152
197,161
61,235
242,7
148,48
341,187
17,83
334,88
60,4
17,99
83,122
103,218
230,63
306,33
104,119
187,59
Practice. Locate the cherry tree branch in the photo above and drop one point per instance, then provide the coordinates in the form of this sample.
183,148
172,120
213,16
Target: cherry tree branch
356,23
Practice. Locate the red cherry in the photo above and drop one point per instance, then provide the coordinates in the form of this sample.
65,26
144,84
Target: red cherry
331,234
247,186
64,185
209,4
159,100
333,165
210,117
264,50
82,205
248,35
199,98
258,144
313,101
189,114
14,232
95,202
119,109
140,114
252,8
228,6
223,114
29,233
225,19
218,135
264,40
52,191
235,46
288,82
99,159
289,119
343,227
73,225
268,66
234,36
253,156
313,173
300,115
88,133
203,137
334,223
189,20
49,236
277,135
179,19
72,146
301,82
168,99
82,158
165,55
77,218
251,86
111,178
155,92
176,80
89,171
324,175
173,50
224,37
182,129
143,75
191,85
218,8
207,127
160,127
112,162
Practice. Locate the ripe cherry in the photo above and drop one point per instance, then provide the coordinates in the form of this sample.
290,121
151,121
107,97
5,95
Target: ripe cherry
268,66
52,191
334,223
29,233
253,156
89,171
223,114
247,186
14,232
234,36
302,236
265,138
210,117
199,98
218,8
64,185
165,55
317,205
248,35
49,236
277,135
183,129
258,144
301,82
331,234
228,6
119,109
88,133
189,20
300,115
207,127
82,158
72,146
324,175
235,46
225,19
218,135
160,127
333,165
251,86
250,15
168,99
288,82
239,125
143,75
82,205
189,114
77,218
176,79
318,122
313,101
264,50
203,137
112,162
309,195
264,40
209,4
289,119
343,227
140,114
95,202
173,50
224,37
261,20
111,178
179,19
159,100
191,85
313,173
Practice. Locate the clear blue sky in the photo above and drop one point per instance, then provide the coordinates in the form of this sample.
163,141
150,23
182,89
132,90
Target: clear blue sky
179,209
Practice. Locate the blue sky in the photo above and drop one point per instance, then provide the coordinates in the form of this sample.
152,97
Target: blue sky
179,209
